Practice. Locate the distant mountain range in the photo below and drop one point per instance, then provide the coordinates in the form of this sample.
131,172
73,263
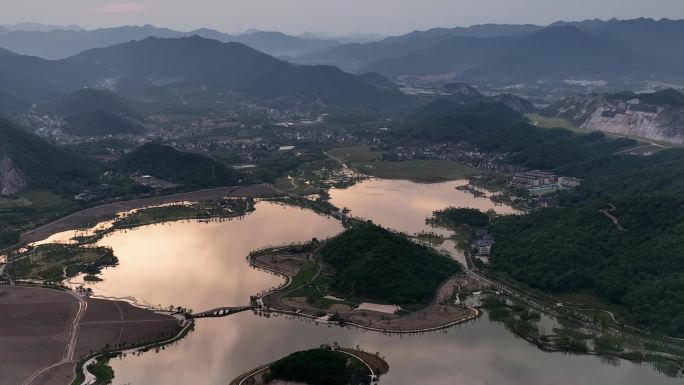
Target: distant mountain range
639,49
191,70
40,27
62,43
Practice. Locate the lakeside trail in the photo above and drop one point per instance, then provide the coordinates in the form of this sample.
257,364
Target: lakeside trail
99,213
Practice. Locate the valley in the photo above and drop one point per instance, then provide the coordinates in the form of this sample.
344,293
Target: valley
450,205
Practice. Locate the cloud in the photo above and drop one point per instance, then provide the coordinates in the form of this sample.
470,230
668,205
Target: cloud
120,8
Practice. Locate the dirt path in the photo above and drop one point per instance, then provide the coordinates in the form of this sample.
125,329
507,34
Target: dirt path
68,357
608,213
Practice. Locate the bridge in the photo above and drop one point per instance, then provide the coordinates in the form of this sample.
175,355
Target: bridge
222,311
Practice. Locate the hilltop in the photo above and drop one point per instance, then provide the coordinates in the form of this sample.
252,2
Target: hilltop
194,70
169,164
613,50
95,112
375,263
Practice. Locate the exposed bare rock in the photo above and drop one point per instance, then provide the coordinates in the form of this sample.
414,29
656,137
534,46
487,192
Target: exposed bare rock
12,179
665,124
633,118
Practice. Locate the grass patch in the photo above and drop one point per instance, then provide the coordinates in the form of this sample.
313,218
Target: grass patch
664,349
549,122
45,199
355,154
304,275
51,261
10,204
419,170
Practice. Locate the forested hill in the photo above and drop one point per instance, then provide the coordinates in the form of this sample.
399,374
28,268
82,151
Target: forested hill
183,168
198,70
494,127
91,111
30,161
375,263
636,264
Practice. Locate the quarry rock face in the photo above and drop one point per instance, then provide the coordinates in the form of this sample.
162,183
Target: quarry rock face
630,118
665,124
12,179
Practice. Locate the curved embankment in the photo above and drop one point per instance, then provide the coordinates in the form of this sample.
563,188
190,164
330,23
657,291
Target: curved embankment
106,211
272,298
376,366
89,378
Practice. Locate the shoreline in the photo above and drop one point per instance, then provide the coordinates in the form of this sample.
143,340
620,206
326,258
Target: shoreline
473,313
374,369
106,211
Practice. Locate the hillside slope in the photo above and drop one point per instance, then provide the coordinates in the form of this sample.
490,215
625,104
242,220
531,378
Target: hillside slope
95,112
372,262
27,160
217,66
167,163
658,116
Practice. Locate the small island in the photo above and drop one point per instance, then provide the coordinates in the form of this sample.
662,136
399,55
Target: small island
367,277
327,365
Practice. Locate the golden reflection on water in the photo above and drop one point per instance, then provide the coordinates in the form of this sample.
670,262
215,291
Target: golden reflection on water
404,205
202,265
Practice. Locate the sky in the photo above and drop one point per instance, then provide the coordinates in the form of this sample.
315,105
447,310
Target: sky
332,17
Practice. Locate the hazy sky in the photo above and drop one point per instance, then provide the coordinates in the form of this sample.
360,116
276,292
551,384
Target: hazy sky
329,16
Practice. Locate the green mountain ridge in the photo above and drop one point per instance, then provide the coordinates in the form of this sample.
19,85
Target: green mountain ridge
44,164
96,112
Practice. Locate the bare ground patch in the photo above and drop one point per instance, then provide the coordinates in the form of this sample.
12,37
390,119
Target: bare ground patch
34,330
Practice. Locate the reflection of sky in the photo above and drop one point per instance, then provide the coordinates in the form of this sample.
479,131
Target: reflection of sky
404,205
473,354
201,265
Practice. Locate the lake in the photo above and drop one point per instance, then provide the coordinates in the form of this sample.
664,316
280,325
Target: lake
202,265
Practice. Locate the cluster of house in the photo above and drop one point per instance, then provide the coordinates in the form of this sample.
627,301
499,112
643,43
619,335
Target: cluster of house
460,152
482,246
543,182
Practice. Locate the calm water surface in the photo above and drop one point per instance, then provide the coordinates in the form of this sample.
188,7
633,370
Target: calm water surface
202,265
